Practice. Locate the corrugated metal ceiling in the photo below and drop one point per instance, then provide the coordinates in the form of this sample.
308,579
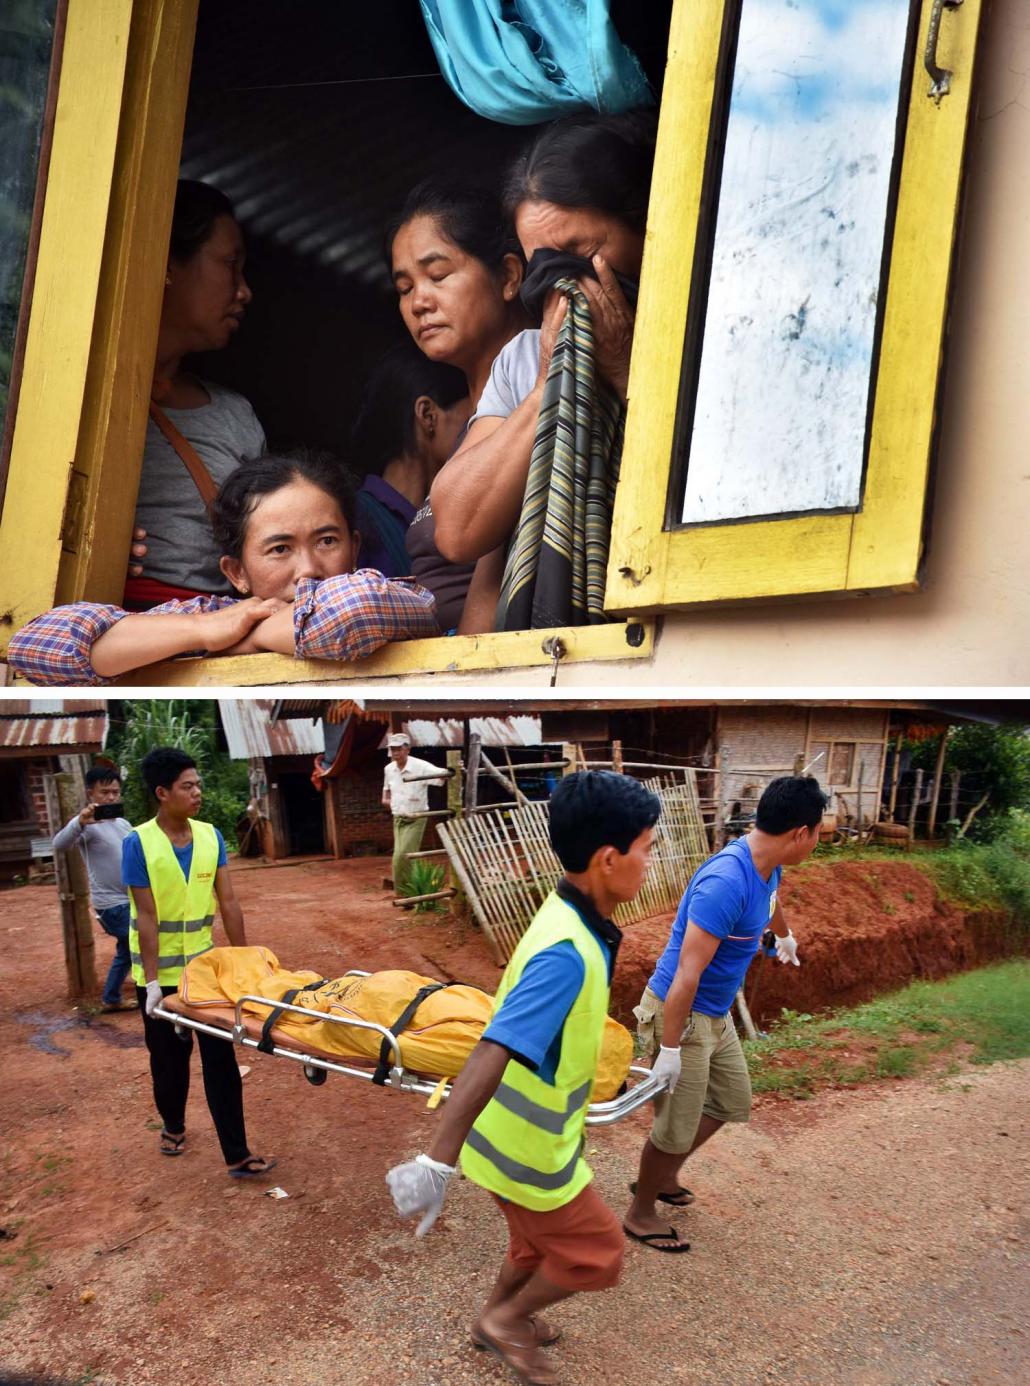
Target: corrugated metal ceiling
316,122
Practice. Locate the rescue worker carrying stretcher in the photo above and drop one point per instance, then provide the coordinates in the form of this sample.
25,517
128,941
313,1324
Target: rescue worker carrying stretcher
517,1111
174,867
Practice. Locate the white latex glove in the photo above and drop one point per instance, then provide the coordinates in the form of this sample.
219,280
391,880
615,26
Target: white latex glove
153,997
787,949
419,1186
667,1066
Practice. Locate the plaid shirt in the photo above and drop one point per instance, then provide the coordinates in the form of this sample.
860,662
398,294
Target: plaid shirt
344,617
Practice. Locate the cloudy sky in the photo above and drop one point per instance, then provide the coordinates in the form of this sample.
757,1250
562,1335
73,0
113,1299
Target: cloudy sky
780,418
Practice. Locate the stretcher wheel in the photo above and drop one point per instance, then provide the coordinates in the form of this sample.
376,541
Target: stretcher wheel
315,1076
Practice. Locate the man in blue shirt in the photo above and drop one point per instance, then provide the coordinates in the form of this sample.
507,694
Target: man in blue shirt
152,877
730,902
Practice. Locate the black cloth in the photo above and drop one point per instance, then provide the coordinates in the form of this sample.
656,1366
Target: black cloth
547,266
170,1071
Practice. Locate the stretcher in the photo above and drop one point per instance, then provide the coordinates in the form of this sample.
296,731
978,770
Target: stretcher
229,1023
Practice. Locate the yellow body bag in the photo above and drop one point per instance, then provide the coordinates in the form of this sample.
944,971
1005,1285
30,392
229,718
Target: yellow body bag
439,1036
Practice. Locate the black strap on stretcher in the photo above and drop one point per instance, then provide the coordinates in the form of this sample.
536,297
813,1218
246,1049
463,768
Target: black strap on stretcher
403,1020
266,1044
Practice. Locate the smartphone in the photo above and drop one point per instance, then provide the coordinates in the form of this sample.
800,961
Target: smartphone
108,811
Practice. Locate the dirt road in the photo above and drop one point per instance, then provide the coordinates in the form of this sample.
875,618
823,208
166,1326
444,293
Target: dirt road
867,1238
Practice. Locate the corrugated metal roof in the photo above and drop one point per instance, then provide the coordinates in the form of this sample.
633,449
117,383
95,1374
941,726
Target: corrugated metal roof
43,731
250,732
495,731
58,707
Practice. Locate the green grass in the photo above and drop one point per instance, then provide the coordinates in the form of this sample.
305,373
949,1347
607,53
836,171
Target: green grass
976,1017
423,879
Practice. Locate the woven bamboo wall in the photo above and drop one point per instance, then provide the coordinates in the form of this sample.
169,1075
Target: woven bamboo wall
505,865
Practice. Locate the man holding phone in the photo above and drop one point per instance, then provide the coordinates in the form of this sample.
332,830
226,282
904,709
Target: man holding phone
98,832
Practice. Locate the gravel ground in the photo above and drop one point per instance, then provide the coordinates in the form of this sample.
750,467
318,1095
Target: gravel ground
871,1239
868,1238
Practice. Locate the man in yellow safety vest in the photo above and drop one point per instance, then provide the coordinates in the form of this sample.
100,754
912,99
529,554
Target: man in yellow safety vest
517,1111
175,867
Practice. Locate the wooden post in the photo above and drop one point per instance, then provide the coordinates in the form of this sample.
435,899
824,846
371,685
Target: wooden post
917,790
972,814
895,773
568,755
472,773
454,782
501,778
73,893
745,1016
858,807
330,827
938,775
719,822
617,757
956,776
454,803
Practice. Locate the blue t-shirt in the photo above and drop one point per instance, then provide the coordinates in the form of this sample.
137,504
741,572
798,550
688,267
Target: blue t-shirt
531,1018
134,865
728,898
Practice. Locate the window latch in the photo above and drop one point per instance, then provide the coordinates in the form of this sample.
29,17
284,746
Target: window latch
940,77
554,645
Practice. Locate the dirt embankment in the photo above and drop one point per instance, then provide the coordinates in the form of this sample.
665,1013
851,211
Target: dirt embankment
863,928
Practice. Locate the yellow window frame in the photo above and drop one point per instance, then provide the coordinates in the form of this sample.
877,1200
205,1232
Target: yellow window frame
879,546
78,438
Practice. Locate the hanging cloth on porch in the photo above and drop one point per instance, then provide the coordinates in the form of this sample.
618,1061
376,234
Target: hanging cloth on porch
521,62
558,557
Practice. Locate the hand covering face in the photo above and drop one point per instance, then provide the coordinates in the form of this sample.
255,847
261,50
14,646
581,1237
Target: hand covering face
546,267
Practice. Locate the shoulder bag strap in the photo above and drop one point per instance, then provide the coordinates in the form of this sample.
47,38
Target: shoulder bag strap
202,478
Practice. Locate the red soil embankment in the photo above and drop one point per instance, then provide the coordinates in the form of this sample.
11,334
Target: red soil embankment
863,928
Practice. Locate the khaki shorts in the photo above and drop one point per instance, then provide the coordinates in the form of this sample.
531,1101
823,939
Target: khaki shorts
714,1080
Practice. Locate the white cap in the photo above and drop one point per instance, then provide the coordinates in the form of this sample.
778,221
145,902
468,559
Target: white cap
398,739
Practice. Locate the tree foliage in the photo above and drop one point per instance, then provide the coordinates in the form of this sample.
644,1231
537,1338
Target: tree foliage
994,760
191,725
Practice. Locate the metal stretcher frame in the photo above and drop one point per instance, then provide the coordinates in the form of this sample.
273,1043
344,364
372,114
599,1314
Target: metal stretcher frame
598,1113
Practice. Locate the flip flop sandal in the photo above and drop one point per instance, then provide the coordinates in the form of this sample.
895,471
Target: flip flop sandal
518,1359
683,1199
547,1334
171,1144
652,1239
253,1167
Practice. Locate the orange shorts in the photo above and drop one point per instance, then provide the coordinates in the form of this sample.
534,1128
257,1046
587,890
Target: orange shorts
579,1246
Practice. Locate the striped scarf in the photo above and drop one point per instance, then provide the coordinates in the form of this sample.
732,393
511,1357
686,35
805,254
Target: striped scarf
558,557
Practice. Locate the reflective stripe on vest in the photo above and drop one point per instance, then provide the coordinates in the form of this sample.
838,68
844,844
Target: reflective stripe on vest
185,907
526,1144
518,1173
544,1117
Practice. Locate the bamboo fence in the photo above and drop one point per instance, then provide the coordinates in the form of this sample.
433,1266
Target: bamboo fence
504,862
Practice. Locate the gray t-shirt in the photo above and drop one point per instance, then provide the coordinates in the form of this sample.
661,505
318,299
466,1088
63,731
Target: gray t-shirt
448,582
101,848
512,376
180,546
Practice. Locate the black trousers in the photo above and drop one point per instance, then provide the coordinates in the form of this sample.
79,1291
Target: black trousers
170,1071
